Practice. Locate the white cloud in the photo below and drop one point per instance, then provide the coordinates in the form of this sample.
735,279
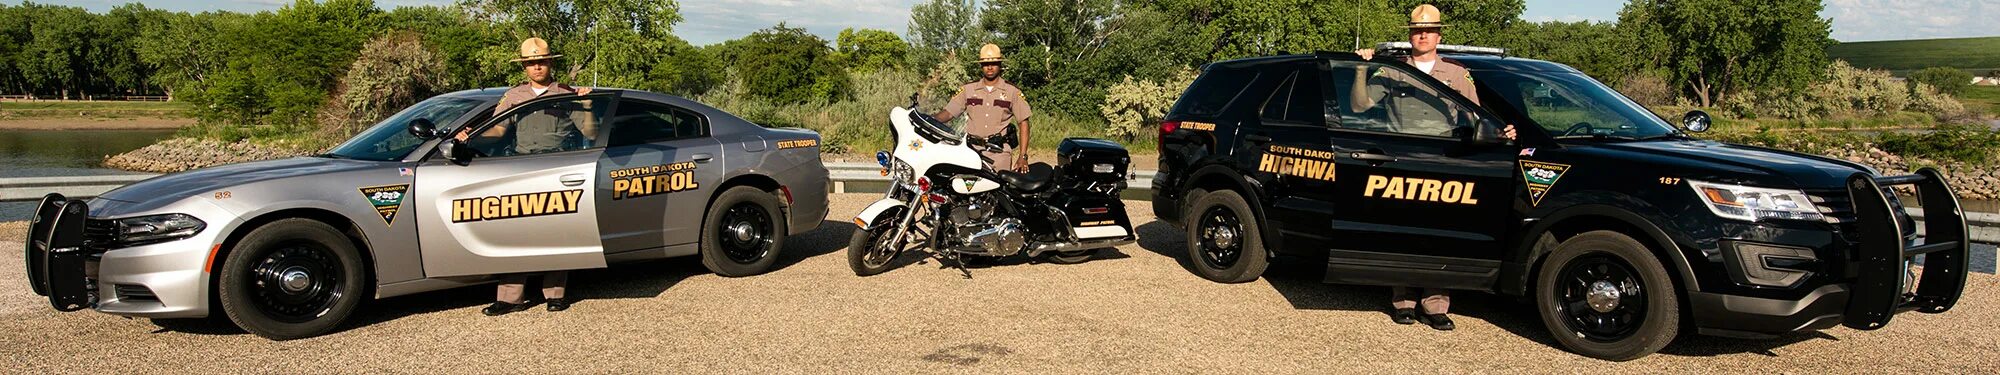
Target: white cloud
1864,20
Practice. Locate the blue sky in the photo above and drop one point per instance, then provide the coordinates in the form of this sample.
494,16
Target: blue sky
710,21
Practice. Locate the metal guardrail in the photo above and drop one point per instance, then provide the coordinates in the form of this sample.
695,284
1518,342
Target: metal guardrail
1985,227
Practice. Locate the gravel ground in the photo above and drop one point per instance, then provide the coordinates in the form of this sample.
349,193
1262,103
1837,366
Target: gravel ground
1133,310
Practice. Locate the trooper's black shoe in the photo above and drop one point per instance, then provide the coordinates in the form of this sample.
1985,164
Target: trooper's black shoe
1404,316
558,304
1439,322
502,308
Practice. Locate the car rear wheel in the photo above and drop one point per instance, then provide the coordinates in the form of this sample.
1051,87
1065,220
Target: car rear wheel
1603,295
742,233
1223,239
291,279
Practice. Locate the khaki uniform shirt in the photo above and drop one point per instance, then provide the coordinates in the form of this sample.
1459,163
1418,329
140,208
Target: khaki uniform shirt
987,111
552,130
1414,109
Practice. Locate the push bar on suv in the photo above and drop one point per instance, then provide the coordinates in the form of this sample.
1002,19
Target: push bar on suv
1878,292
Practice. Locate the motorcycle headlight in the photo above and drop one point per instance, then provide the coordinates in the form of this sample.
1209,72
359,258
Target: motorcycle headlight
157,228
1754,203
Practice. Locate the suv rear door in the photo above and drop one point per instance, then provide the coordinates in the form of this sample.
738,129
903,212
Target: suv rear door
1284,146
1418,203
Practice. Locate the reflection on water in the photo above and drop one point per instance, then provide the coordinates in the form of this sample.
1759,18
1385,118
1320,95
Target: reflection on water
43,153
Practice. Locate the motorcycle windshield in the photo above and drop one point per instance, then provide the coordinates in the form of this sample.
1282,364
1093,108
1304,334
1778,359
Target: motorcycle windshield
932,130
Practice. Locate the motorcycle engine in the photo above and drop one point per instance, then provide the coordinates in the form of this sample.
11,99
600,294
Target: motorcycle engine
982,232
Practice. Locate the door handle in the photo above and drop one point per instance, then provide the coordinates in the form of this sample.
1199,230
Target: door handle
1372,157
1259,138
572,179
703,158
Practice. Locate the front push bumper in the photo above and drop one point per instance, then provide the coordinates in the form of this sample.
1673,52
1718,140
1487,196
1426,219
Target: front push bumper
1879,289
67,261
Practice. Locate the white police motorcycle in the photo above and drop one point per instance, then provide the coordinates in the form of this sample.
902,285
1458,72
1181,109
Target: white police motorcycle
944,198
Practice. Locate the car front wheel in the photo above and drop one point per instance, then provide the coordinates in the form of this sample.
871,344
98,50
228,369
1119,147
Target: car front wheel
1603,295
291,279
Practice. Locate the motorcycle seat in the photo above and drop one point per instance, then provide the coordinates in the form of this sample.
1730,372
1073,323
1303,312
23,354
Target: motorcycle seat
1036,178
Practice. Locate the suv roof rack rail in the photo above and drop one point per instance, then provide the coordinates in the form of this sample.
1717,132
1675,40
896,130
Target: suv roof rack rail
1403,48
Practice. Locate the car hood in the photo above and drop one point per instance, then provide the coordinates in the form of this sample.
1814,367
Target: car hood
1744,164
172,187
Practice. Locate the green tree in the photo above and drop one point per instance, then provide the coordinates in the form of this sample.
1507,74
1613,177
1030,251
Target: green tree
945,26
1948,81
1721,47
55,59
604,39
392,72
786,65
870,50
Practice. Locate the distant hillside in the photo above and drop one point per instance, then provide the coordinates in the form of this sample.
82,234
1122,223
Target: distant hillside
1975,55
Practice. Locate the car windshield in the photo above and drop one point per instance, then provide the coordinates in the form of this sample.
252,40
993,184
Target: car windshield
1571,106
391,139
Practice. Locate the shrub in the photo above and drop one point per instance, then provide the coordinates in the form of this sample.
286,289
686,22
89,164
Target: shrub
393,72
1649,89
1952,142
1132,107
1949,81
1927,99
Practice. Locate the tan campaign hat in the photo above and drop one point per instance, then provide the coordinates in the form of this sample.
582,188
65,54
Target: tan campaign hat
535,49
990,53
1426,17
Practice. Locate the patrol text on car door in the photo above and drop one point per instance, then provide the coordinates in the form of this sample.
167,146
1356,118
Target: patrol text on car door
655,178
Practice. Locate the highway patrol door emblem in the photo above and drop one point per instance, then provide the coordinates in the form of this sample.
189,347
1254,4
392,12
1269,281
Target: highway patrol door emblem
387,200
1540,177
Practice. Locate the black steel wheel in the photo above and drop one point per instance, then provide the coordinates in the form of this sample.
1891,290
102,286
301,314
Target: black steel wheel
1604,295
743,232
1224,240
292,278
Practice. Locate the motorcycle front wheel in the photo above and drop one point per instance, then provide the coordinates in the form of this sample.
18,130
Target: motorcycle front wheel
869,251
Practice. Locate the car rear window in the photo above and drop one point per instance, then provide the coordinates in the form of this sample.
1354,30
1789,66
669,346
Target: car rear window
1211,93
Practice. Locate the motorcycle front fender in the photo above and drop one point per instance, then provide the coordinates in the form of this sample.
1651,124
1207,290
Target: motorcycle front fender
877,211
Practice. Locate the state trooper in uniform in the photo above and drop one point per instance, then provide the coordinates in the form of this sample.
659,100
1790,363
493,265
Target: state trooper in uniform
537,133
989,104
1418,114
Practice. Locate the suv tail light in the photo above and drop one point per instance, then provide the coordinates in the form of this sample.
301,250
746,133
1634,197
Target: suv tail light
1166,128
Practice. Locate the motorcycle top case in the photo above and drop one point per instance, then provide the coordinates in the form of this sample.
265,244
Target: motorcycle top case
1092,159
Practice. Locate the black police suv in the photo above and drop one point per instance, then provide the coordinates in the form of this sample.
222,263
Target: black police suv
1621,228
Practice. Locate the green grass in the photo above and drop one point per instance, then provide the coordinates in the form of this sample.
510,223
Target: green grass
92,109
1974,55
1981,97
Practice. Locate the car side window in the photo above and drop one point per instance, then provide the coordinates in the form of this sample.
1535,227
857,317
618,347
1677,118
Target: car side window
543,127
641,122
1297,101
1386,99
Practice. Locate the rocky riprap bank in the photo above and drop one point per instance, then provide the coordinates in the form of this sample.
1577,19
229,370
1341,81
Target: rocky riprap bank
1971,181
180,154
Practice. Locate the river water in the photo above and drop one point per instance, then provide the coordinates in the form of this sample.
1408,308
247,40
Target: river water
44,153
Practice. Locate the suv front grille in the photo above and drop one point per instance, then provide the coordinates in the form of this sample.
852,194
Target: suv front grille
1839,211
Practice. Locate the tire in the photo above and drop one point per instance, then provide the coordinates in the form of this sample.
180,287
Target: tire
1231,248
1069,257
742,232
863,245
1598,318
292,279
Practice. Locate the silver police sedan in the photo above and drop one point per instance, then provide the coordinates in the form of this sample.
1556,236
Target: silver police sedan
444,194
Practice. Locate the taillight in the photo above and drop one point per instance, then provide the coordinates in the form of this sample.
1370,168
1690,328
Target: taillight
1166,128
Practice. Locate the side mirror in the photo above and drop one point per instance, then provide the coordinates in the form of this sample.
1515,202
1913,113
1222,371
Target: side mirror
455,152
1695,121
424,128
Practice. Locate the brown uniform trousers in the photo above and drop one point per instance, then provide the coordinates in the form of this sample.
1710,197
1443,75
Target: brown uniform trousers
987,111
1436,301
513,287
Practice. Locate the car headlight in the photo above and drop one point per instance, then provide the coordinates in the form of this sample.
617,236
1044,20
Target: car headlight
157,228
1754,203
